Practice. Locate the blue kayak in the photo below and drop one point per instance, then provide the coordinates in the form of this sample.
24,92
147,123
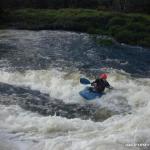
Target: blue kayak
89,94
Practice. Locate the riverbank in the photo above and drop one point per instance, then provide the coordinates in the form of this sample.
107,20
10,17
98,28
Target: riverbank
131,29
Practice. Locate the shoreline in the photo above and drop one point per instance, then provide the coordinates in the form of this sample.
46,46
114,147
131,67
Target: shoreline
132,29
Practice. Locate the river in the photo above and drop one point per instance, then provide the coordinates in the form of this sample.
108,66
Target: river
40,105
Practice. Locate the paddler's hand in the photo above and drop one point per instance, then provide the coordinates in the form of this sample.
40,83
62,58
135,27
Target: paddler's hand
92,84
111,88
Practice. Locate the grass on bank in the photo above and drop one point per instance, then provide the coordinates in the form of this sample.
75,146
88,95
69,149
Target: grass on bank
127,28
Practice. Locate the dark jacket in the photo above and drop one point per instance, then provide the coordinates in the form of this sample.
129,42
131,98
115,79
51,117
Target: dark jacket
100,85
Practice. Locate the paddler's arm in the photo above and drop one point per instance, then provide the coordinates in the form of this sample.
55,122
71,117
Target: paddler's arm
92,84
109,86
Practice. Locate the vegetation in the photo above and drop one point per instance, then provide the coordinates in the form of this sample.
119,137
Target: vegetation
117,5
105,41
127,28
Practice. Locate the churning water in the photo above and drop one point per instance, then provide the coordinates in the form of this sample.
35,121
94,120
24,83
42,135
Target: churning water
40,107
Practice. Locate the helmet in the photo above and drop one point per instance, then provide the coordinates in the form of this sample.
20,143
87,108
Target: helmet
103,76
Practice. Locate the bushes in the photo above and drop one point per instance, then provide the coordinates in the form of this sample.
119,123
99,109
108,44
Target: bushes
145,42
105,42
114,29
130,37
117,21
124,36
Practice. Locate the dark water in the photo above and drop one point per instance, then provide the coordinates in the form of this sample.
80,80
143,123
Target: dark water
44,49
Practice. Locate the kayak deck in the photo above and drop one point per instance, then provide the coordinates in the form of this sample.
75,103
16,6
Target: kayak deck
89,94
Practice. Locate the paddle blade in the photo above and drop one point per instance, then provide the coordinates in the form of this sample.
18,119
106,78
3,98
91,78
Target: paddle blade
84,81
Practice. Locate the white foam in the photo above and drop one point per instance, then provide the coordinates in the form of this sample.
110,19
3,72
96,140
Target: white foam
59,85
66,86
61,133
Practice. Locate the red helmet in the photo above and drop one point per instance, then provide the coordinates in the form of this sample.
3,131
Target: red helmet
103,76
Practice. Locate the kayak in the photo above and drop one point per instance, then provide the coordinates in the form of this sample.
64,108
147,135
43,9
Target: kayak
89,94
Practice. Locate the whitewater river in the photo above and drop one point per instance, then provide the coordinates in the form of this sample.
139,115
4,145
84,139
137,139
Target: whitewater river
40,108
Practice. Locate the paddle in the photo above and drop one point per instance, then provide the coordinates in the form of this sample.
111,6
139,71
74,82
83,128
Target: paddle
84,81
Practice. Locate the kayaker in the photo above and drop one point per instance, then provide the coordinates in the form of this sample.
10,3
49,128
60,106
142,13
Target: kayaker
101,83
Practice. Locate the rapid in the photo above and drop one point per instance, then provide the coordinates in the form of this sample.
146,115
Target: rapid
40,105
